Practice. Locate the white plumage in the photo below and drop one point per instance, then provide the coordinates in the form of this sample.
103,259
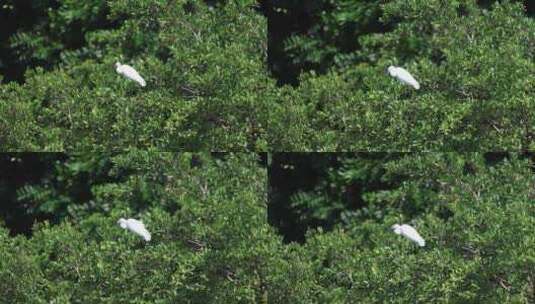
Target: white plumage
136,227
404,76
130,73
410,233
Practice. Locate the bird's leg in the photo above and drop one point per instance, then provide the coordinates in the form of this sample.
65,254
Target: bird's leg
140,244
196,245
503,283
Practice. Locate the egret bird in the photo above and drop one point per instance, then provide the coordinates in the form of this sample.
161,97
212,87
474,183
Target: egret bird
135,226
410,233
404,76
129,72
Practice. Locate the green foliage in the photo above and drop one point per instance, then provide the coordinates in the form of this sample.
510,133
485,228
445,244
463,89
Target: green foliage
335,34
210,240
68,188
204,72
208,88
474,68
334,31
63,28
476,218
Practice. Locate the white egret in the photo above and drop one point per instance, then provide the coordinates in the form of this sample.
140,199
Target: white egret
130,73
404,76
135,226
410,233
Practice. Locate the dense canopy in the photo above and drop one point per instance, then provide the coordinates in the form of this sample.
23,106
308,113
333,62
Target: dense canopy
213,67
204,70
324,236
162,111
